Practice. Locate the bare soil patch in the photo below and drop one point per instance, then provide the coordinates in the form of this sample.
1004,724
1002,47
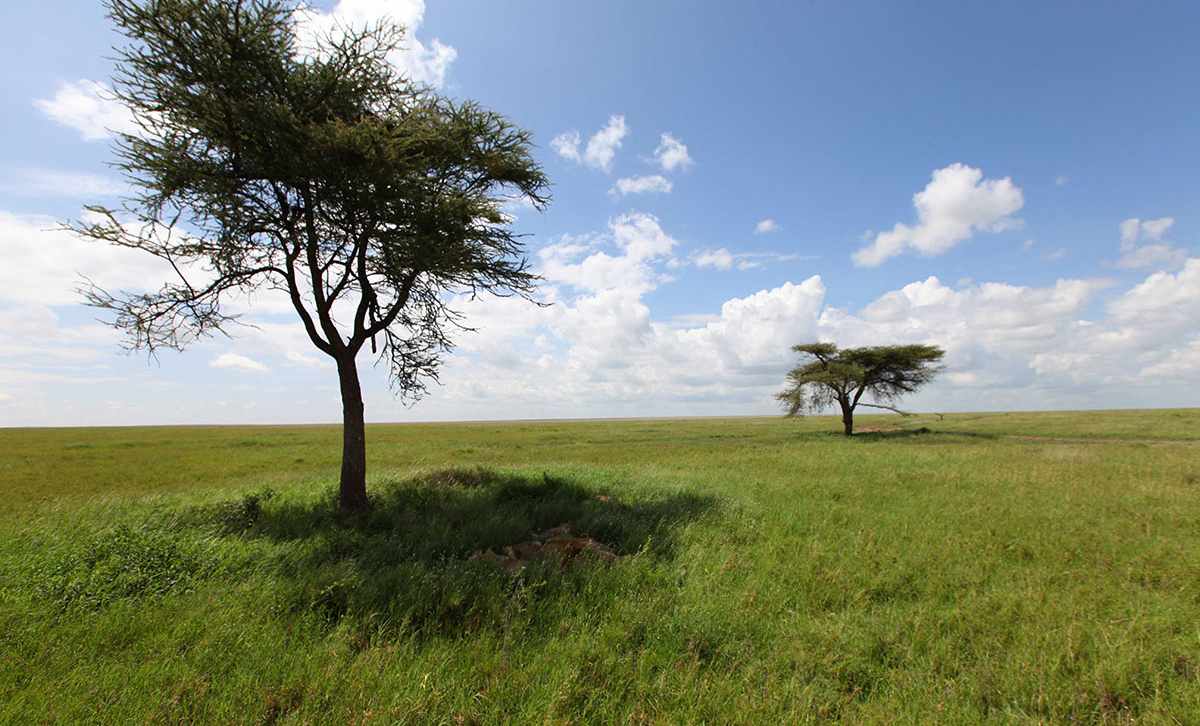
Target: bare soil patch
559,543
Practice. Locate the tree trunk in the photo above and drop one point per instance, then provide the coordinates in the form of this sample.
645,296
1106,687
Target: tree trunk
847,418
352,491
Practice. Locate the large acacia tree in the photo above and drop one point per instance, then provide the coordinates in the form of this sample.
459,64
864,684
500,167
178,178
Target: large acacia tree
827,375
318,173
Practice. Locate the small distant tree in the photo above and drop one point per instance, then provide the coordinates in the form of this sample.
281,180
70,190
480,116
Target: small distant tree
366,201
828,375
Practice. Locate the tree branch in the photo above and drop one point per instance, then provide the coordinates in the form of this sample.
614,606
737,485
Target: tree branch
889,408
293,288
312,241
394,311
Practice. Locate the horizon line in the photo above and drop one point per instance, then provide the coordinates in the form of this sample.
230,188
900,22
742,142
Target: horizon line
588,419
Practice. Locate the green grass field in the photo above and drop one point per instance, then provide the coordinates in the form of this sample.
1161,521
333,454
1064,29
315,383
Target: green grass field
1012,568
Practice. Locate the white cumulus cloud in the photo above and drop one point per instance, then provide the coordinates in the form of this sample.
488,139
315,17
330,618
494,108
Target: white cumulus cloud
567,144
237,362
600,149
671,153
639,241
88,107
308,360
956,203
419,61
52,263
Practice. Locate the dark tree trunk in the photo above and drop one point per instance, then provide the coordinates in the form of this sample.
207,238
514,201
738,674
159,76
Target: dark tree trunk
352,491
847,418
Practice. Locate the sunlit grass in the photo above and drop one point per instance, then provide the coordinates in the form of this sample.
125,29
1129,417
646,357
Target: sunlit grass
1008,567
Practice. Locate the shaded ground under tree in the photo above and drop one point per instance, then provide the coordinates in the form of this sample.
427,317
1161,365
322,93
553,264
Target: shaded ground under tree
403,566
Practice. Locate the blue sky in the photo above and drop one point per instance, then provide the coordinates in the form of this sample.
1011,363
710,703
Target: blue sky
1015,182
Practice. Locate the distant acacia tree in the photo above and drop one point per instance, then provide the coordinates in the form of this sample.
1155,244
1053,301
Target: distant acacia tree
827,376
319,173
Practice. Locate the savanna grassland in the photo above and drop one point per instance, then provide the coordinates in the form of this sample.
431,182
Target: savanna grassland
982,568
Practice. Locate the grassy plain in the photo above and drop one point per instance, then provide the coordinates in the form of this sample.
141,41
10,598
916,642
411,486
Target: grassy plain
1015,568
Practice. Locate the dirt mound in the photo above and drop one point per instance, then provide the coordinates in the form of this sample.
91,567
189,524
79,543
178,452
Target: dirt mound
557,543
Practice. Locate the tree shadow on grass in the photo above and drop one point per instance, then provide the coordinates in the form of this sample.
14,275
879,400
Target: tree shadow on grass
914,435
407,563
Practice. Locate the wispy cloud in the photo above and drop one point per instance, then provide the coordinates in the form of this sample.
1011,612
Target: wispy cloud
722,259
656,183
54,183
766,226
1135,254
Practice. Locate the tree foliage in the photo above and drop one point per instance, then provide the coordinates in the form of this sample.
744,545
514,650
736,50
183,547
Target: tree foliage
317,173
828,376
